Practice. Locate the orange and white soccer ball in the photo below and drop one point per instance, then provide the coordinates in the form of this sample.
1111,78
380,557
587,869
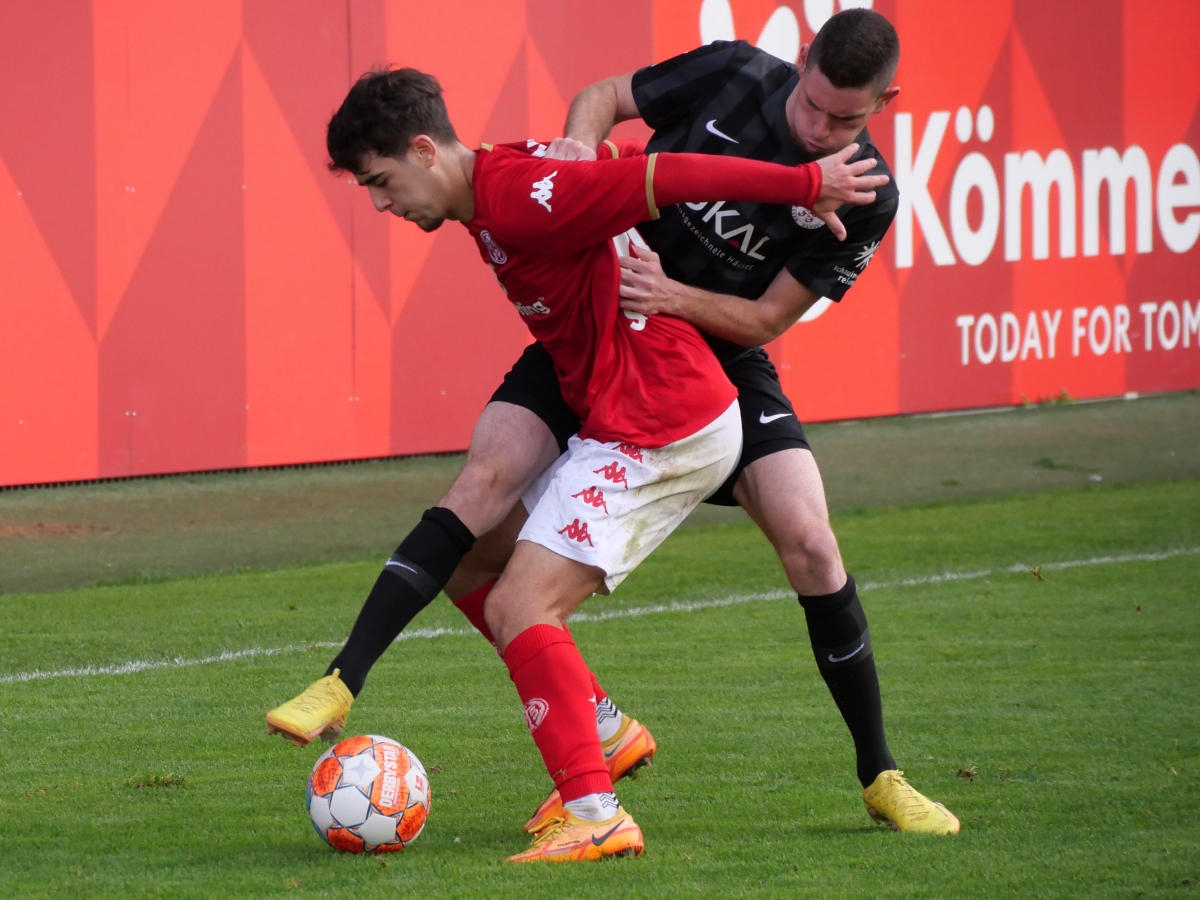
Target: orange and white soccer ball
368,794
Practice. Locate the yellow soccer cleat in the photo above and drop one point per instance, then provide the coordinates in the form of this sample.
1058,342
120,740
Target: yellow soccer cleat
568,839
892,801
319,711
626,751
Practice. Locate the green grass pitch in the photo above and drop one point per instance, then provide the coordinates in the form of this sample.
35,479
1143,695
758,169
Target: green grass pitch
1037,652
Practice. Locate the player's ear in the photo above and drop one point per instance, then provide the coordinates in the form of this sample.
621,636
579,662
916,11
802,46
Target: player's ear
422,149
885,98
802,59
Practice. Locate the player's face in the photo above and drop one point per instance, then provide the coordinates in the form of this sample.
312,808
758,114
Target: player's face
822,118
405,187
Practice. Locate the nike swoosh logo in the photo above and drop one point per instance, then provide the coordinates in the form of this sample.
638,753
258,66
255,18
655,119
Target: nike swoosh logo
399,565
711,128
764,419
597,841
838,659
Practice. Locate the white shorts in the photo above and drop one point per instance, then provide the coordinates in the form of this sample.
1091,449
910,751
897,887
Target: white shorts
610,504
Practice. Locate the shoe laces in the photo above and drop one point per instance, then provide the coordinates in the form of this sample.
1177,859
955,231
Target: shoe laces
550,832
906,797
317,697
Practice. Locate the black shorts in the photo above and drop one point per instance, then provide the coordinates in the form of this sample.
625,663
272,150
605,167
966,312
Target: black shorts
769,422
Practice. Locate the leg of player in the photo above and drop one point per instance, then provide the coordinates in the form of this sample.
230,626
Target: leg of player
784,495
509,447
627,744
527,612
614,520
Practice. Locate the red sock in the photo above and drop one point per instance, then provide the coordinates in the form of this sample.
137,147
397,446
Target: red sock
471,606
599,692
554,685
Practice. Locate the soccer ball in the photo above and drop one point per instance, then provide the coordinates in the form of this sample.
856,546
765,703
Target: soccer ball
368,794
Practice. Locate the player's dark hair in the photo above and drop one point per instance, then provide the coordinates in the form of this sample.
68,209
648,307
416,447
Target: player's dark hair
382,113
856,48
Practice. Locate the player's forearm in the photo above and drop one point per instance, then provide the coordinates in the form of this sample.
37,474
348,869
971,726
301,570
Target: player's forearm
725,315
687,177
592,114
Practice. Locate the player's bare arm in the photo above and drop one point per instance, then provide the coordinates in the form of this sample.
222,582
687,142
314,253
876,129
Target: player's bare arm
591,116
646,289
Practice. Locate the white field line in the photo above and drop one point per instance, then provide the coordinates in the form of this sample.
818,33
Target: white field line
133,666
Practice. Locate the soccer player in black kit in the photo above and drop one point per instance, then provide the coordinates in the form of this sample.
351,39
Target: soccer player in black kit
743,274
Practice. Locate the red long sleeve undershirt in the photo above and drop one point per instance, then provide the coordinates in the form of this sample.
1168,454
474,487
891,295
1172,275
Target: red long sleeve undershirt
677,178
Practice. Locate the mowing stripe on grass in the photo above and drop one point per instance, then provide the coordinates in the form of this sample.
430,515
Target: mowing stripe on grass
133,666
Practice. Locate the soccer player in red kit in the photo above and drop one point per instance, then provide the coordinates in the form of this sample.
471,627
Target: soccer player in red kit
659,422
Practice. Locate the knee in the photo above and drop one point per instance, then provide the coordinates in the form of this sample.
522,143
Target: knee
813,562
488,479
484,495
497,613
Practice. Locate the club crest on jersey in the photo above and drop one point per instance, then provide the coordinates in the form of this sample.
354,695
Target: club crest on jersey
494,251
543,190
803,216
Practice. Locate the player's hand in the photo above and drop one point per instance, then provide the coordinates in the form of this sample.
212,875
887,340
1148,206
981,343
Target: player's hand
645,287
844,183
569,148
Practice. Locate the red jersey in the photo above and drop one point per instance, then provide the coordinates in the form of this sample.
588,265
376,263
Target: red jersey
546,227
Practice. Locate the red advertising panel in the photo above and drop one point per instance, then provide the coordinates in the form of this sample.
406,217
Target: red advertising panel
185,286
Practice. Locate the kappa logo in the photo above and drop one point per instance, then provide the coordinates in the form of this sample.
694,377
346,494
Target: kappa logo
494,251
543,190
633,451
804,217
535,713
594,497
535,148
578,532
614,472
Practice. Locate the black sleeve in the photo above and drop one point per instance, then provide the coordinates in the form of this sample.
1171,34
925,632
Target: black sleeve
830,267
668,91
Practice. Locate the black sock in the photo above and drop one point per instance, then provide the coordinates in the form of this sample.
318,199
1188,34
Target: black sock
412,577
841,642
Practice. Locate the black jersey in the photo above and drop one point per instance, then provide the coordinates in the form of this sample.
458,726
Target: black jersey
728,98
